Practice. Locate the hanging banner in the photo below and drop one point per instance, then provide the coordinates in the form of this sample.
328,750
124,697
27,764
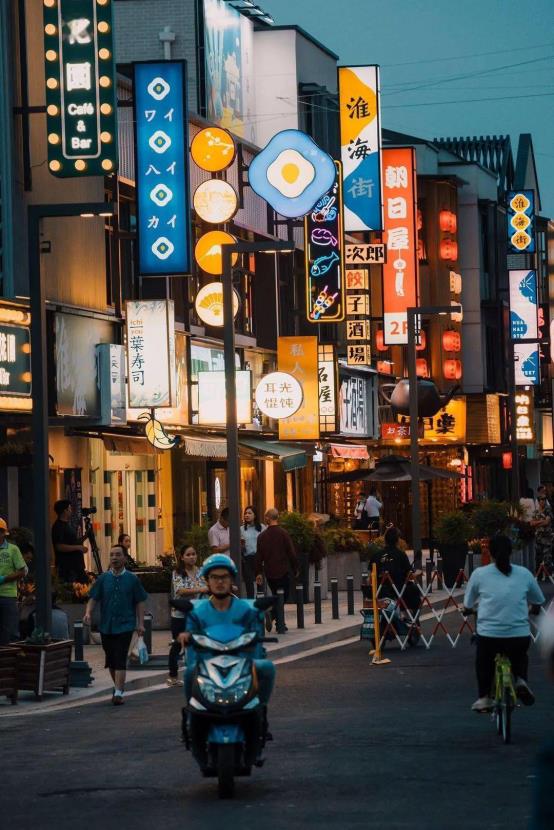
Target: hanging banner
523,305
298,357
324,245
520,214
400,269
151,373
80,89
526,364
360,138
161,153
111,376
327,376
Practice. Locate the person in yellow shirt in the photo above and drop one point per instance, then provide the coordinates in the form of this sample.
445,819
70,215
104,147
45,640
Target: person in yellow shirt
12,568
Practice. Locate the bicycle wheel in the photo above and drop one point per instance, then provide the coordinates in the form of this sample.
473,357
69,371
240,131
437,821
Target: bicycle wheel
507,707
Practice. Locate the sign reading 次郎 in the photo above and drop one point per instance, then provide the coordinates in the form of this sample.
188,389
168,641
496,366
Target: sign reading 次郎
297,356
15,361
161,153
325,258
150,326
523,305
520,215
527,364
360,138
400,269
80,87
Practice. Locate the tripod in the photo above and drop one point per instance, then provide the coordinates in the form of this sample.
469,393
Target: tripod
89,534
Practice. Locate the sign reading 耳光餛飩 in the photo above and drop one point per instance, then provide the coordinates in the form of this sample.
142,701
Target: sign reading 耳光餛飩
150,327
161,153
400,269
360,138
524,315
80,90
325,257
297,356
520,215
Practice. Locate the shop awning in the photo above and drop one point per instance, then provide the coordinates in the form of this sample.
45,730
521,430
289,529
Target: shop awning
291,457
358,451
205,446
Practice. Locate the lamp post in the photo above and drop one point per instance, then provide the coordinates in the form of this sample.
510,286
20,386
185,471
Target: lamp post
233,463
413,328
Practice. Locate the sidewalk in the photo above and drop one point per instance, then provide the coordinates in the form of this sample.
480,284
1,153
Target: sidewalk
292,645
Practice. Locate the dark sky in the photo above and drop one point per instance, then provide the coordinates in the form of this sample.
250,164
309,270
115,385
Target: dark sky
480,67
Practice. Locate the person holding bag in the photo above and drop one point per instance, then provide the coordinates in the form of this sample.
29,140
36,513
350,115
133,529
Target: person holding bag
186,583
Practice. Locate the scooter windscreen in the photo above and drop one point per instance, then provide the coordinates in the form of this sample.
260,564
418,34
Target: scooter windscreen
225,637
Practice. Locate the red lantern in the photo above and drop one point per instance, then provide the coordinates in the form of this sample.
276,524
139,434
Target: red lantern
449,250
448,222
507,460
385,367
422,342
380,341
451,341
452,369
421,368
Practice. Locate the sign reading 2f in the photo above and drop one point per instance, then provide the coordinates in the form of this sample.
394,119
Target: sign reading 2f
161,168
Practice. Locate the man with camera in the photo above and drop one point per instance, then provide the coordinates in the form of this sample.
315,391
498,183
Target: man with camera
68,548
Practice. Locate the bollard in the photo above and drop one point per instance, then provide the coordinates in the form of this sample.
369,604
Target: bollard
470,563
440,583
335,598
148,632
300,606
350,595
429,575
80,673
365,578
280,612
78,641
317,603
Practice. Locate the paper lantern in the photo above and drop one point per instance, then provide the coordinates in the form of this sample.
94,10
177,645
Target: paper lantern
448,221
449,250
451,341
507,460
422,342
421,368
452,369
380,341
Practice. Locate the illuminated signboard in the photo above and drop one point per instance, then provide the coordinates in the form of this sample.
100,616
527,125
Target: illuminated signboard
520,215
151,353
80,91
211,397
526,364
161,152
360,138
297,356
278,395
523,305
358,348
365,254
524,416
209,304
215,201
400,269
15,361
324,258
327,376
213,149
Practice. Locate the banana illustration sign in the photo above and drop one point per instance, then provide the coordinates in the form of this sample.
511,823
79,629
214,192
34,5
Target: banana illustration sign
156,434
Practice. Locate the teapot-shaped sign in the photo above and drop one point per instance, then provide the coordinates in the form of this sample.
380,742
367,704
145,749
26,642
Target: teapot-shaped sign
429,399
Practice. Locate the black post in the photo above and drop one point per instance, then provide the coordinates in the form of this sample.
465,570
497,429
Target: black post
335,598
300,606
350,594
429,574
148,632
317,603
470,564
414,437
78,641
440,582
280,612
365,578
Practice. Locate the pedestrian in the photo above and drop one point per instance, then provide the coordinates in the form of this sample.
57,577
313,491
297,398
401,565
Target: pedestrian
544,537
361,519
393,569
121,597
218,534
528,505
249,533
541,491
186,583
125,541
12,568
373,509
275,556
68,548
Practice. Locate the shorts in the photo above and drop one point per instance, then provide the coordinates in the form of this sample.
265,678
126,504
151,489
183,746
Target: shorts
116,647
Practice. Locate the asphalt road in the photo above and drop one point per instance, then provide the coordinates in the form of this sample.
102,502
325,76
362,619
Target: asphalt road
356,746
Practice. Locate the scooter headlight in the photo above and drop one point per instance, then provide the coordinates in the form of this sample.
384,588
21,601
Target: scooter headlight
224,697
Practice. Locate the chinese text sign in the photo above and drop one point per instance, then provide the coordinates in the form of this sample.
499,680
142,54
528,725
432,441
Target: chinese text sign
151,353
298,357
520,214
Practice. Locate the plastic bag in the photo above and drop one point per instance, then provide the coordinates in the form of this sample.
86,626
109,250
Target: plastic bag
133,648
142,651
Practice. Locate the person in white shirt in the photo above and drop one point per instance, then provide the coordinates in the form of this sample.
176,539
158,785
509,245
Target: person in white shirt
373,509
528,505
360,516
218,534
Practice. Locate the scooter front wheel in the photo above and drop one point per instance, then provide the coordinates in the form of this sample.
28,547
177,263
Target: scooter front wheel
225,770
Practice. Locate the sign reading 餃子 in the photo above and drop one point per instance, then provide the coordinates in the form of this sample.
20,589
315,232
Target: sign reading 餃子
400,269
297,356
520,214
161,158
80,90
524,416
360,138
278,395
15,361
526,364
211,397
358,333
150,326
327,375
523,305
324,257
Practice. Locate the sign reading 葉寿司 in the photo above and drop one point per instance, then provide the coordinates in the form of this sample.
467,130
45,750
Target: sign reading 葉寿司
150,327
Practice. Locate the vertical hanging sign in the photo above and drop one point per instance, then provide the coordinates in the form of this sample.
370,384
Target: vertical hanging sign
400,269
80,90
151,353
360,138
298,357
524,317
324,244
161,153
520,213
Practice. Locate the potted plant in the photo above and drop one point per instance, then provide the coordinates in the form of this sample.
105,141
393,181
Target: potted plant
453,532
344,551
43,663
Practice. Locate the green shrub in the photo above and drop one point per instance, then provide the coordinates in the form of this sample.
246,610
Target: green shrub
196,537
155,581
454,528
343,540
490,517
305,538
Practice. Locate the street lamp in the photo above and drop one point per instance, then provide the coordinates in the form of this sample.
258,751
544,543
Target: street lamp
233,464
413,327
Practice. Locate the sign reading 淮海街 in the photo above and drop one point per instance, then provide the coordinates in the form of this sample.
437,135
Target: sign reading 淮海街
81,110
150,326
360,138
520,215
15,361
161,161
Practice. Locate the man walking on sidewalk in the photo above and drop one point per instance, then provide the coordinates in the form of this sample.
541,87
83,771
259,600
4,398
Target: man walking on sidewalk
121,597
275,555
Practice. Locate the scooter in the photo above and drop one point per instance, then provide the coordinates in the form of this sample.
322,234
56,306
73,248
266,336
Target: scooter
393,621
224,723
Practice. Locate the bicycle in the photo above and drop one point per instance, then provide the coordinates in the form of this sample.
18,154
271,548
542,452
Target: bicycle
505,698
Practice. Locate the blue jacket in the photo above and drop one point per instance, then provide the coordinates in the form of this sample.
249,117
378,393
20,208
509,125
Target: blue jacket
118,597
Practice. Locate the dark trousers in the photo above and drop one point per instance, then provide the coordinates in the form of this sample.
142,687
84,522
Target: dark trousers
274,585
177,627
248,575
515,648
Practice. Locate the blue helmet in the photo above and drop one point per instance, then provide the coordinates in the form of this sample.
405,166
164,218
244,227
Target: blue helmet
218,560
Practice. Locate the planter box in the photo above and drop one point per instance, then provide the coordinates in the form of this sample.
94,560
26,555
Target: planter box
43,668
158,606
8,673
341,565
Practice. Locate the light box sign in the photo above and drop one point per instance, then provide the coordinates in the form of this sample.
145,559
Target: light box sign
524,417
325,257
80,89
360,138
15,361
111,373
151,372
297,356
523,305
526,364
400,269
161,152
354,406
520,214
212,395
327,376
278,395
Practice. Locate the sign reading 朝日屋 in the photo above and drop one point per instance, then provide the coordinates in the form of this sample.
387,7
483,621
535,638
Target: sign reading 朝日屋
151,373
161,168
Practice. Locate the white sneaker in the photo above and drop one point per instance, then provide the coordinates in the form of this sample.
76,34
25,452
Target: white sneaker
173,681
523,692
483,704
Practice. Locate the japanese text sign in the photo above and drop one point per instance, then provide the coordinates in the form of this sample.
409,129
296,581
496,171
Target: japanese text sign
354,406
523,305
80,90
15,360
162,168
524,416
297,356
360,138
325,257
520,214
527,364
400,270
278,395
365,254
449,425
327,376
151,353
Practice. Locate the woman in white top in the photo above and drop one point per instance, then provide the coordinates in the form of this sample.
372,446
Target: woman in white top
186,583
249,533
